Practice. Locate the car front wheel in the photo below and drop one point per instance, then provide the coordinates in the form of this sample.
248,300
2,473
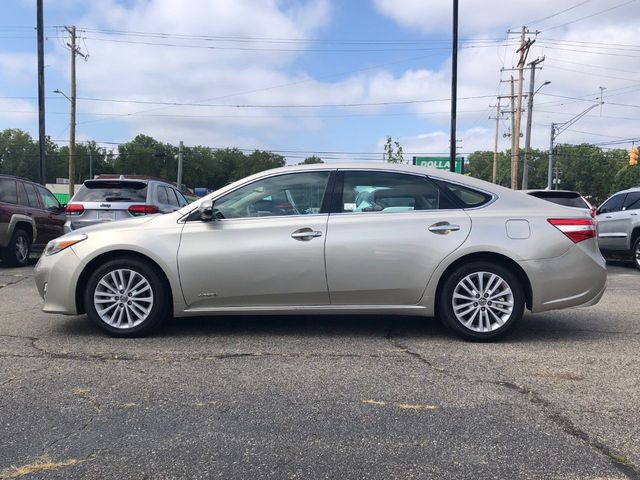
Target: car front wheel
127,298
481,301
636,252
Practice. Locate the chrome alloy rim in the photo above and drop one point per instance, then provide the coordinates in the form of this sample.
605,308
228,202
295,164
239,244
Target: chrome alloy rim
22,249
638,254
482,301
123,298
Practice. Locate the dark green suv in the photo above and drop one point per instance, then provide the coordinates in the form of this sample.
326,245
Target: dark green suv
30,216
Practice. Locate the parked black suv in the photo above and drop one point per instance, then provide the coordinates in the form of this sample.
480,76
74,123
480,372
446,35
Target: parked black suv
30,216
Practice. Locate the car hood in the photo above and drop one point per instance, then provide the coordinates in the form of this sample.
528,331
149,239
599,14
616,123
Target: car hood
119,225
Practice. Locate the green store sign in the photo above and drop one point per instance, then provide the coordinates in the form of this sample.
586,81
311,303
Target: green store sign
440,163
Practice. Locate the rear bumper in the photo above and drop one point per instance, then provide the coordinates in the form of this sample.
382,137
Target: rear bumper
575,279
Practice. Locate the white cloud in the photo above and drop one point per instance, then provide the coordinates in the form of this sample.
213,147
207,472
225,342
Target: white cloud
141,72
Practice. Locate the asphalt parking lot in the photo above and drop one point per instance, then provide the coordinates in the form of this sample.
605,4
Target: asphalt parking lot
316,397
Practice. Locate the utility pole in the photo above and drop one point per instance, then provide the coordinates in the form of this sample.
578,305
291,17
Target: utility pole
514,134
41,129
550,167
494,175
527,141
90,163
525,45
454,88
72,121
179,181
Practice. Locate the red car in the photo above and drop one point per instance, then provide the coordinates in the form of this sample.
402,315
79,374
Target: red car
30,216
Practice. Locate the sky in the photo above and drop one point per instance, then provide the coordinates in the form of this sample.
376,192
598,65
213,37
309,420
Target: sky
325,77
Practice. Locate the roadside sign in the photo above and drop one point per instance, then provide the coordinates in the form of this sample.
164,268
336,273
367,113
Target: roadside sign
440,163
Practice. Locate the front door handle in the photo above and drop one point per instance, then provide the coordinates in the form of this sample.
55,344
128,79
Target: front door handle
305,234
443,228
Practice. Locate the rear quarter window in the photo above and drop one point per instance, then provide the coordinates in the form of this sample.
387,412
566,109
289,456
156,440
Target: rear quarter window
467,197
8,190
112,192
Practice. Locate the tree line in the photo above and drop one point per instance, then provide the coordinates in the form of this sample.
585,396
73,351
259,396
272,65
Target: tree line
588,169
594,172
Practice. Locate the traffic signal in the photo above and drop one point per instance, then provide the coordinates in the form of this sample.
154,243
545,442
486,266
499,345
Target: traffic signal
633,156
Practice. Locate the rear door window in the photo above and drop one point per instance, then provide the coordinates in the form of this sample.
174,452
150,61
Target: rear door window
8,190
22,195
614,204
173,200
390,192
632,202
32,196
163,197
110,191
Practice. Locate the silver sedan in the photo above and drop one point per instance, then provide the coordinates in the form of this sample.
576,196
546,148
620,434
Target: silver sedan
351,239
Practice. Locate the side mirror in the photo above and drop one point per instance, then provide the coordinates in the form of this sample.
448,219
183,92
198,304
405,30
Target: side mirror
206,211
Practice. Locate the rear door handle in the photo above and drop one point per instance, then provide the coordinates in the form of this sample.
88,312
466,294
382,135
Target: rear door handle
443,228
305,234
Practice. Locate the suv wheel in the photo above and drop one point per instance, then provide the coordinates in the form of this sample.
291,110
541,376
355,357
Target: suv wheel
481,301
127,298
636,252
17,253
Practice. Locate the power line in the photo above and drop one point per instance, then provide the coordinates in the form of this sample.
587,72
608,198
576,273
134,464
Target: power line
590,16
558,13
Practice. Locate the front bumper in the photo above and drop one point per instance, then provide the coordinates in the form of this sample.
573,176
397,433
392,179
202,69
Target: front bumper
60,274
575,279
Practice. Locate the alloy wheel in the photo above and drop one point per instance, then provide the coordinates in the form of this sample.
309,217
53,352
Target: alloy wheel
637,254
482,301
22,249
123,298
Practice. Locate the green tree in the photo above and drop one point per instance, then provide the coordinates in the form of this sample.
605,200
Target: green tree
393,152
627,177
311,160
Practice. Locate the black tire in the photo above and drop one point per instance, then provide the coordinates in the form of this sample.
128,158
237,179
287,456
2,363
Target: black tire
14,254
158,312
636,252
475,332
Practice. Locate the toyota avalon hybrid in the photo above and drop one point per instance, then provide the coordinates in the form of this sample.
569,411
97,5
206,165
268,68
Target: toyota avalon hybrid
351,239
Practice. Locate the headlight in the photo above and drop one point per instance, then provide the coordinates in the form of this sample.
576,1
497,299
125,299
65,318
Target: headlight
59,244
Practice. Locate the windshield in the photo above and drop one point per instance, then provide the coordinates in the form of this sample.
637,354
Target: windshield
112,192
567,199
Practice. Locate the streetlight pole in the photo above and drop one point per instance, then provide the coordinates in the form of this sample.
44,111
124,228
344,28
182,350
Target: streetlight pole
454,89
527,141
557,129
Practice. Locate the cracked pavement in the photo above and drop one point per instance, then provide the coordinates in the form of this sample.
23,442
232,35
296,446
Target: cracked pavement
322,397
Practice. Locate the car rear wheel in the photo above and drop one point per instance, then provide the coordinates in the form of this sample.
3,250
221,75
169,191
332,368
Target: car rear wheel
127,298
17,253
481,301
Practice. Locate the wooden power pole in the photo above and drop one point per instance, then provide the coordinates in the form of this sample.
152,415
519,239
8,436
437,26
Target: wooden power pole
41,128
525,45
72,121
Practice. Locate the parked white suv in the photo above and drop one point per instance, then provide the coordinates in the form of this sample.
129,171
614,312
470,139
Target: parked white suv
109,199
619,224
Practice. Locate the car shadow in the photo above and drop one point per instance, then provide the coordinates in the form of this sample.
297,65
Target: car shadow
541,328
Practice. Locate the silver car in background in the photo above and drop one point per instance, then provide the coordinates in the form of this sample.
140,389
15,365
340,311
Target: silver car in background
352,239
110,199
619,224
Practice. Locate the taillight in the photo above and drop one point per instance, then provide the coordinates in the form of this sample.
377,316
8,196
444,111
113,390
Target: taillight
138,210
577,229
74,209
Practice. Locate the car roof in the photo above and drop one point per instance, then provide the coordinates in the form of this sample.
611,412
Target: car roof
629,190
16,177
